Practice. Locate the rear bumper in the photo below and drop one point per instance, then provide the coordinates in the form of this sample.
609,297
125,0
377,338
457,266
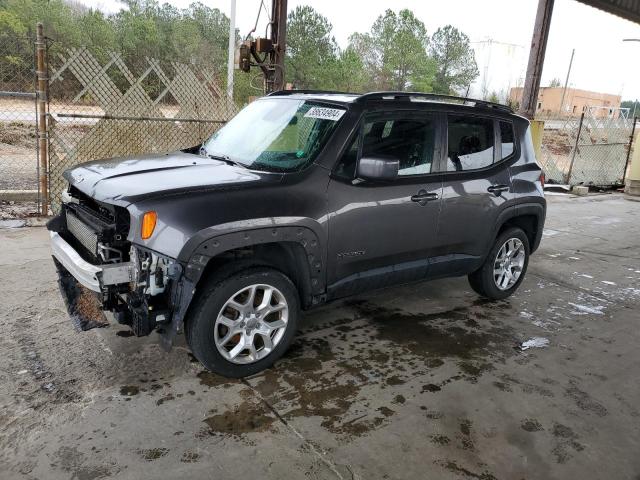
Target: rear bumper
93,277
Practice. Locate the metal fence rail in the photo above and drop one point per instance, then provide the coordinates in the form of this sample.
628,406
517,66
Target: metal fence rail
102,107
18,128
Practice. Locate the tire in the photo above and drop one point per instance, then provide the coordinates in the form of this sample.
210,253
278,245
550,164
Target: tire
224,321
483,280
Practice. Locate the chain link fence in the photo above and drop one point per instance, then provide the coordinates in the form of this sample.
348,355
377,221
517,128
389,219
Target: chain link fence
102,106
588,150
18,127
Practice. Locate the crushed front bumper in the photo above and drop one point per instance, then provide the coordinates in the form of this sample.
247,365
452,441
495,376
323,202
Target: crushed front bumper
93,277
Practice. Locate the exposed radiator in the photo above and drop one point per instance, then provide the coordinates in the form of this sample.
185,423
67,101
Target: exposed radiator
82,232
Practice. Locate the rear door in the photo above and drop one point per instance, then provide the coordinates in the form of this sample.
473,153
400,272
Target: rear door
381,233
476,188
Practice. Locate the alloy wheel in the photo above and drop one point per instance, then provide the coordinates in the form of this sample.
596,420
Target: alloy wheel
251,323
509,263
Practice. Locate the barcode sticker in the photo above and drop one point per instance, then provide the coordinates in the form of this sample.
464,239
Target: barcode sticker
322,113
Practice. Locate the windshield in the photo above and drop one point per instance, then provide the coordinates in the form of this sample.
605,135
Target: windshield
275,134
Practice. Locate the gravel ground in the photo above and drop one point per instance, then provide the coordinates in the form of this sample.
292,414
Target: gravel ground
420,381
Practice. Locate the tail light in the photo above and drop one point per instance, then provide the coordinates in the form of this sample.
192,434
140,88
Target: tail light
542,179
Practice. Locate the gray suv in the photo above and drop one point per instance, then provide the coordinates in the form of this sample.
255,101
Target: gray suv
302,198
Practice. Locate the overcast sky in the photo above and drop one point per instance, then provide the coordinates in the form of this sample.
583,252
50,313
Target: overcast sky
500,31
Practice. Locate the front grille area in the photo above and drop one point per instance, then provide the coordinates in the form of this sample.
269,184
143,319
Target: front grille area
82,232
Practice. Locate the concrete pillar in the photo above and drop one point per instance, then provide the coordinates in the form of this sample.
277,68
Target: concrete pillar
632,189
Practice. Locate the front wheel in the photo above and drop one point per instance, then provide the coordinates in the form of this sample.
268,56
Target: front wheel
243,324
503,270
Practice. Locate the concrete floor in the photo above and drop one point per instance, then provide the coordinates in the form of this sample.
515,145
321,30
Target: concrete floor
424,381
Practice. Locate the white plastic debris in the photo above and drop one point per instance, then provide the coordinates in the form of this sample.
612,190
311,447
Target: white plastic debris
584,309
535,342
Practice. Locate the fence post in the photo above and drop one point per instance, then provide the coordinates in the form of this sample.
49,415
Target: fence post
626,163
575,149
43,136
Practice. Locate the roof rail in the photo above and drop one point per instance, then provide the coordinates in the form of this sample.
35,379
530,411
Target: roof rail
279,93
432,96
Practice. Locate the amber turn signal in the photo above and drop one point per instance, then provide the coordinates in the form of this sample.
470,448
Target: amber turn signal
148,224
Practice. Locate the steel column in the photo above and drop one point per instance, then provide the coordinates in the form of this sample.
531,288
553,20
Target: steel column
536,58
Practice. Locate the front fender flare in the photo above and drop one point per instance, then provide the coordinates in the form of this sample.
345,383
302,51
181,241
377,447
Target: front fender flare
218,239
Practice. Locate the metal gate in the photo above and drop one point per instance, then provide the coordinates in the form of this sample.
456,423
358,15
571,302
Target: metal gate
18,114
593,149
102,107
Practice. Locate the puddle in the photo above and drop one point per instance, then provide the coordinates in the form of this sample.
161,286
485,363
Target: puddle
383,349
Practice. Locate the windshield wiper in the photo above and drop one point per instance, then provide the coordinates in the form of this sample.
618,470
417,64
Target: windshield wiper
226,159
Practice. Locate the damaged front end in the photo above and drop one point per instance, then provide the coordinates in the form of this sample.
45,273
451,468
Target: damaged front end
100,269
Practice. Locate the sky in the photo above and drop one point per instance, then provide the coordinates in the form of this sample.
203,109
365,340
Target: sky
500,32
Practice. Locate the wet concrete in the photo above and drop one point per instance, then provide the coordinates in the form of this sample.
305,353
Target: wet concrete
421,381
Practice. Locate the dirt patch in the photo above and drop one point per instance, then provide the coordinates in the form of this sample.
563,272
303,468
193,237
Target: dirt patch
214,380
129,390
566,443
152,454
18,134
189,457
531,425
245,418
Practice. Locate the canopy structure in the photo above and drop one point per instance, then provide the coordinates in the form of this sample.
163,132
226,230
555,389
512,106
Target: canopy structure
627,9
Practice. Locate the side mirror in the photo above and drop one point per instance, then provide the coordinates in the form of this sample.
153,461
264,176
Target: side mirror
378,168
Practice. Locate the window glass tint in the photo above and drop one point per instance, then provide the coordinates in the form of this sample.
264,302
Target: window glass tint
470,143
411,141
347,166
506,138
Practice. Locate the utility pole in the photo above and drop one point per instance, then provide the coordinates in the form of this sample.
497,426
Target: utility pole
566,82
232,49
279,39
536,58
267,53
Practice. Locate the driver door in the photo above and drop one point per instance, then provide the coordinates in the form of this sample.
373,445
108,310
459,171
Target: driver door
383,233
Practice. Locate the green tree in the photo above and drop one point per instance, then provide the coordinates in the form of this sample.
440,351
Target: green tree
395,52
348,73
311,50
554,83
454,58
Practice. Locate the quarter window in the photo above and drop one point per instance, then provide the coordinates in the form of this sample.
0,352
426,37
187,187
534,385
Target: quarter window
506,138
410,140
470,143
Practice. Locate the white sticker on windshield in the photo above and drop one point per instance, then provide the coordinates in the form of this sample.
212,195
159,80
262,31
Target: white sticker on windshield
322,113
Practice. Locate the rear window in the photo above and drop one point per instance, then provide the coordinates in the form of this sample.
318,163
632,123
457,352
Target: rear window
470,143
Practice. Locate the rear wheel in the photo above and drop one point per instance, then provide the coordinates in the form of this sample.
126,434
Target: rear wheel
243,324
505,266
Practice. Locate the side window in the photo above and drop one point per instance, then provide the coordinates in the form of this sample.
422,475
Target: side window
470,143
410,140
506,138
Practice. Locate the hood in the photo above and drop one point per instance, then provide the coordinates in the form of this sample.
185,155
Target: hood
122,181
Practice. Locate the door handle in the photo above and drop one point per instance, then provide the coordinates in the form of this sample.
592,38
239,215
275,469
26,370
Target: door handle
423,197
498,189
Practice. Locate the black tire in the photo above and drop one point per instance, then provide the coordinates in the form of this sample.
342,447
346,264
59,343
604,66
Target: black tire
201,322
482,280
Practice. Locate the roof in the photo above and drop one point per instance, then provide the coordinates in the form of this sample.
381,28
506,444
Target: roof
344,97
627,9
